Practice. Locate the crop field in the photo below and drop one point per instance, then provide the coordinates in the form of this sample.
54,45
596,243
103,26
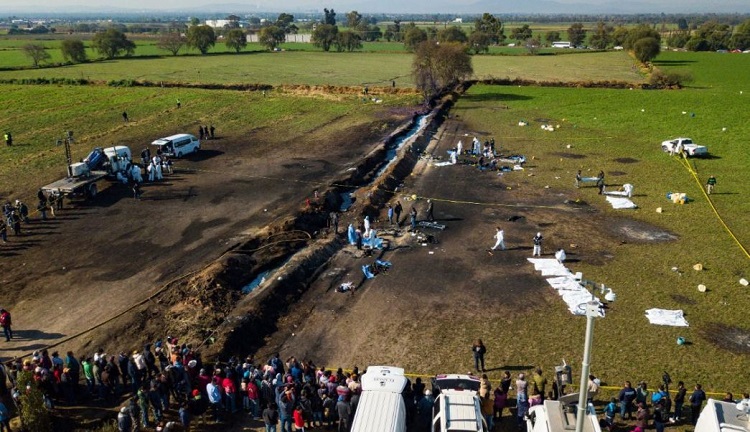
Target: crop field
619,131
343,69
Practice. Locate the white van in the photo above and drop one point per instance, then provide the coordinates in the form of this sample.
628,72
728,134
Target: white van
457,406
381,406
178,145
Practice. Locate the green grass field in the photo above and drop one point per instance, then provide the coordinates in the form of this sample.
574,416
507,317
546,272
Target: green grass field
320,68
604,125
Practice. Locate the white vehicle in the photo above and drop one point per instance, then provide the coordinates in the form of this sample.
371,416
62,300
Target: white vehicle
82,176
559,416
178,145
724,417
381,406
457,406
685,145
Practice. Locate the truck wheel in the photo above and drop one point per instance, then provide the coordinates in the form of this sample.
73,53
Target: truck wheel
91,191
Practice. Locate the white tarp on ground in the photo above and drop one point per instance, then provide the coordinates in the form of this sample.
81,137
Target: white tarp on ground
621,203
442,164
549,267
666,317
570,290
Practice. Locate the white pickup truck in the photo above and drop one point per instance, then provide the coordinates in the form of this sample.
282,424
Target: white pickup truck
685,145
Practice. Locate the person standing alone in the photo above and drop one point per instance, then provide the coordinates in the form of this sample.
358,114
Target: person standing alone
537,244
397,209
478,349
5,322
430,208
710,184
500,239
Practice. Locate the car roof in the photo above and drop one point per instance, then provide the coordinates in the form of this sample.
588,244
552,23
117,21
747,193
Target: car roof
166,140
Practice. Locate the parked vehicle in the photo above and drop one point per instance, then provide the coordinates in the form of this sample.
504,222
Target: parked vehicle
177,145
381,406
82,176
457,406
719,416
686,145
560,415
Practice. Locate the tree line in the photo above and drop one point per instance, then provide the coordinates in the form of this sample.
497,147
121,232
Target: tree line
487,30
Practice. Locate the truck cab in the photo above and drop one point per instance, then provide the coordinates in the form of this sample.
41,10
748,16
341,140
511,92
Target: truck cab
457,406
719,416
560,416
381,405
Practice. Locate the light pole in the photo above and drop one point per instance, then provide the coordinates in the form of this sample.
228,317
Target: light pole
592,312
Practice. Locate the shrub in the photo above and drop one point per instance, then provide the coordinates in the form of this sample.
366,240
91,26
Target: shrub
661,79
34,415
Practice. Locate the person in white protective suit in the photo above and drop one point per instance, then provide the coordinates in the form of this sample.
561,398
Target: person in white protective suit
157,168
459,148
135,173
499,239
367,225
151,171
560,256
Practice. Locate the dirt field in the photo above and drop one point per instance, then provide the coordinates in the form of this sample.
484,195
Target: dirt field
94,261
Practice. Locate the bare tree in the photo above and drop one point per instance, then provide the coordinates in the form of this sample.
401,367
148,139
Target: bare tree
172,41
36,53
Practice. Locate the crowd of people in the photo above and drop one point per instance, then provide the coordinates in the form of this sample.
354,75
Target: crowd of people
167,386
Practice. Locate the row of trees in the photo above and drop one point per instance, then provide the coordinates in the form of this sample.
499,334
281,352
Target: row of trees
712,36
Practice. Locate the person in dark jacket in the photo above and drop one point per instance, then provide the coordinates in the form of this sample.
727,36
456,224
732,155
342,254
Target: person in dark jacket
271,417
626,398
124,422
478,349
287,403
696,402
679,400
150,359
344,411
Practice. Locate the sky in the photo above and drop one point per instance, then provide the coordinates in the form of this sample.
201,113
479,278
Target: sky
379,6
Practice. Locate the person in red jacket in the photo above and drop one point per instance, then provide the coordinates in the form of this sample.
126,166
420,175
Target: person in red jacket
299,419
5,322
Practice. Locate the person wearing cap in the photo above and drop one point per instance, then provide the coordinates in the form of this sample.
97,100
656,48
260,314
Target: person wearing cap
124,422
537,245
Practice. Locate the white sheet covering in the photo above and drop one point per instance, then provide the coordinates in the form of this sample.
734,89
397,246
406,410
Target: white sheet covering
666,317
570,290
621,203
549,267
